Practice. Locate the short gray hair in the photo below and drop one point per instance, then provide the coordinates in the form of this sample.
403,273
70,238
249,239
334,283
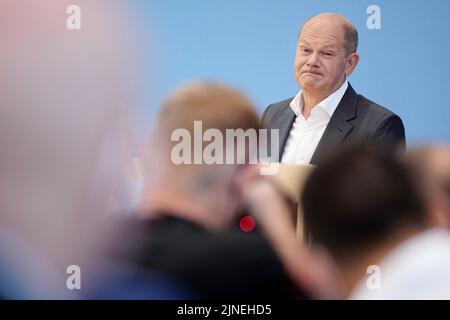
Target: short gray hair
350,39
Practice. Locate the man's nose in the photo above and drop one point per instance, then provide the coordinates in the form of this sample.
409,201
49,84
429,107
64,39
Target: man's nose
313,60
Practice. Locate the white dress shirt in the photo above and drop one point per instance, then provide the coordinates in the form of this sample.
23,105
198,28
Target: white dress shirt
418,268
305,134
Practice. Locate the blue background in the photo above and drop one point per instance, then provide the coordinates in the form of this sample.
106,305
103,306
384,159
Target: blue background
251,44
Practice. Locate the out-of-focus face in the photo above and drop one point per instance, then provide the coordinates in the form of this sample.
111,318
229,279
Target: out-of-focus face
66,131
321,62
438,169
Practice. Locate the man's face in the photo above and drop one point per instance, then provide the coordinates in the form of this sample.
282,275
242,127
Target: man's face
320,60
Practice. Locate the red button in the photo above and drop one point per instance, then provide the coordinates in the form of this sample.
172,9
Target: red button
247,224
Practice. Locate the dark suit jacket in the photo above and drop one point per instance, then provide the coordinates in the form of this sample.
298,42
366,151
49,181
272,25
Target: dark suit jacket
229,264
356,120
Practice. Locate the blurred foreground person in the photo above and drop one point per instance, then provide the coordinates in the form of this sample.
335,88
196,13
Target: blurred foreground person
65,96
432,164
368,210
188,229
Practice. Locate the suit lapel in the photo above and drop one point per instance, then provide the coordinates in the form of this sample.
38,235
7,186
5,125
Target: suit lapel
339,126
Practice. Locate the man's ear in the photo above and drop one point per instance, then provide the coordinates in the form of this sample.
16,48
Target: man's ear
352,61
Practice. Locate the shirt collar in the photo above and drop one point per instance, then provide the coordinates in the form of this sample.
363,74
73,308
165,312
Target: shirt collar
329,104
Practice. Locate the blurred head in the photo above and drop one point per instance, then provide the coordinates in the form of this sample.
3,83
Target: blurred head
326,53
432,165
209,187
356,201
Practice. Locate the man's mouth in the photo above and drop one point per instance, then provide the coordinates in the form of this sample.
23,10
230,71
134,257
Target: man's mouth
311,73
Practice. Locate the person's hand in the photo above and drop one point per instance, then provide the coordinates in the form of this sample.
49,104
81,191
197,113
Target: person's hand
259,194
267,205
312,270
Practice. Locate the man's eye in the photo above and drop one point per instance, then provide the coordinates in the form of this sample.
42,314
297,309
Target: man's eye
328,54
304,50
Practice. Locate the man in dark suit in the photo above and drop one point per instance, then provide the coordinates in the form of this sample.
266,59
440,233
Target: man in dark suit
327,113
